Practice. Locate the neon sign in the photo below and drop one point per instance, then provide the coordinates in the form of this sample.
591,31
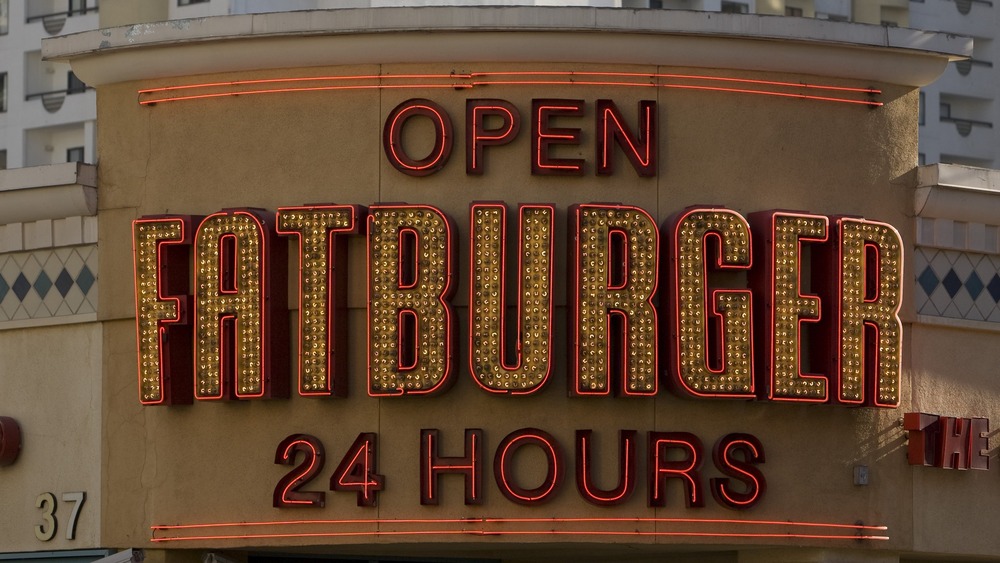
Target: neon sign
722,340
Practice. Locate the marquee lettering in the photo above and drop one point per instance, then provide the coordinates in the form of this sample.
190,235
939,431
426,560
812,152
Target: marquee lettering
737,303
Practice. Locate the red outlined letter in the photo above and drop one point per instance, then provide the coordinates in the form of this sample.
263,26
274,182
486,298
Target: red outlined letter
392,137
240,307
867,341
409,318
432,466
686,469
544,136
626,470
712,330
780,237
287,493
489,346
612,129
504,471
612,318
322,292
478,137
161,250
742,470
358,470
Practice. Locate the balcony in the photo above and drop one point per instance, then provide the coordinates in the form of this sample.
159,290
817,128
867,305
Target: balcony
970,138
971,17
53,18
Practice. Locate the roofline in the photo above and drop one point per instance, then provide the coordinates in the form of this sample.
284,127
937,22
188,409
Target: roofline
637,36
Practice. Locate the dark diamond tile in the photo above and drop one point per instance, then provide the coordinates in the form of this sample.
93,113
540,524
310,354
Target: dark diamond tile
43,284
928,280
4,288
974,285
951,283
85,279
21,287
64,282
994,288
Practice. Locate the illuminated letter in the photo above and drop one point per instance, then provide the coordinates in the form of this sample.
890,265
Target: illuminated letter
504,457
712,327
786,307
612,283
409,318
358,470
612,129
745,471
543,136
161,251
626,470
240,308
868,346
392,137
477,136
322,292
488,336
687,469
432,465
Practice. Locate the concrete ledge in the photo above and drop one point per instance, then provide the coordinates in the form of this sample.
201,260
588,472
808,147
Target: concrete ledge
508,34
49,192
959,193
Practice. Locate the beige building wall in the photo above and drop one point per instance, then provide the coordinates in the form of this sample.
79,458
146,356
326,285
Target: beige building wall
213,462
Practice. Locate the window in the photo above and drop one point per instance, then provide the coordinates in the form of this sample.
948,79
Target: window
735,8
187,2
77,7
922,110
658,4
4,15
921,158
3,159
73,84
74,154
945,111
3,91
796,12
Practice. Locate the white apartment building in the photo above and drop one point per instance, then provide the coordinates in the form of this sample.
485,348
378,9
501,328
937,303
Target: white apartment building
960,109
46,115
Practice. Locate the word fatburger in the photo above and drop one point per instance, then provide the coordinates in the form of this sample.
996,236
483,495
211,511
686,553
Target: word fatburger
226,337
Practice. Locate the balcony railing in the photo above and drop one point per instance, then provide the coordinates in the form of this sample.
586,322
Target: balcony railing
53,100
54,22
965,67
965,6
964,126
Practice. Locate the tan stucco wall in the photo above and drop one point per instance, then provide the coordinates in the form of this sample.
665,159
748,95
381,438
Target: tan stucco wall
214,462
51,384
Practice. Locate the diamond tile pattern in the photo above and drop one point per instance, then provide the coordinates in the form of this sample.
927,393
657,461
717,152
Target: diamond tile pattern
65,286
959,285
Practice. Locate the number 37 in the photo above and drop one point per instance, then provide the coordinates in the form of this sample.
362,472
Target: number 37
47,502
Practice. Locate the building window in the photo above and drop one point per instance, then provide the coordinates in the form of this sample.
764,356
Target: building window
73,84
795,12
921,158
188,2
3,91
922,110
74,154
4,16
77,7
735,8
3,159
944,111
657,4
